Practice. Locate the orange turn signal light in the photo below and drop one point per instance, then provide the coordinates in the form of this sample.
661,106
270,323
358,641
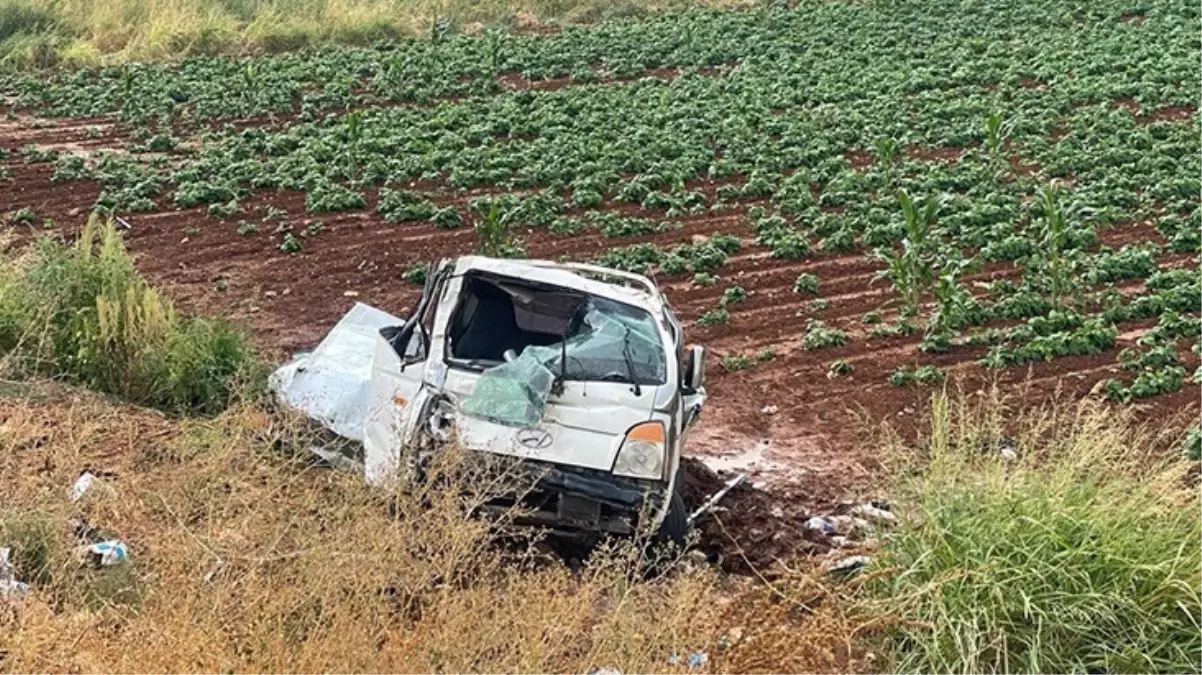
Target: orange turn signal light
650,432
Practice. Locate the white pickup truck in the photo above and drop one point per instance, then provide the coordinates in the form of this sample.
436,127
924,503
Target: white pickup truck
576,371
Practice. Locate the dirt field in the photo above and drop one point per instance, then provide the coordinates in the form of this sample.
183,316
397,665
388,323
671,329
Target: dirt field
783,419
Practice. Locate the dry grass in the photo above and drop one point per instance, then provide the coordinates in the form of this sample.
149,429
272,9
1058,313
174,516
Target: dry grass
245,560
85,32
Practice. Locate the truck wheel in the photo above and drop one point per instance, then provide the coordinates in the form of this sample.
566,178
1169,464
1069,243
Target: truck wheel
675,528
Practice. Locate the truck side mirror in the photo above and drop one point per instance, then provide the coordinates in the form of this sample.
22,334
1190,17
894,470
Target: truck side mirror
694,368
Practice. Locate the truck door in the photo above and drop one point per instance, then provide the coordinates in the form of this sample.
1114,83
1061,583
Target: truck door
400,364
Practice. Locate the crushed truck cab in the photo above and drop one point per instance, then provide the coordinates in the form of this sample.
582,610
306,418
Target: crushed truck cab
577,373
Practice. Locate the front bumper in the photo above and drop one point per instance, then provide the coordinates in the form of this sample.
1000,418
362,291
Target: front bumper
574,500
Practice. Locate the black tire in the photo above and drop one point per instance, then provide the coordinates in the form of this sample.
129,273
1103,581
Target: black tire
675,528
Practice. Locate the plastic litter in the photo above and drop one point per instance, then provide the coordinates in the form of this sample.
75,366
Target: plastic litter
107,553
695,659
81,486
850,565
875,515
606,671
770,409
11,590
819,524
844,524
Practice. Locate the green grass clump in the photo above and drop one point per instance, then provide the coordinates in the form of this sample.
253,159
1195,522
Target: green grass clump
1081,552
84,313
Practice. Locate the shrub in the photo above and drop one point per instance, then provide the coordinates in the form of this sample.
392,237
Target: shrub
84,313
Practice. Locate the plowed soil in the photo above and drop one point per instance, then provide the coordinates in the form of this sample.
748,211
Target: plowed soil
784,420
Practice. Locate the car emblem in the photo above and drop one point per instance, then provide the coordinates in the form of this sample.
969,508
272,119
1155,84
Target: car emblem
534,438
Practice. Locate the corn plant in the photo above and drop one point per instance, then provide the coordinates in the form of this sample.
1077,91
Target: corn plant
887,154
912,268
953,303
1053,257
493,237
997,130
354,134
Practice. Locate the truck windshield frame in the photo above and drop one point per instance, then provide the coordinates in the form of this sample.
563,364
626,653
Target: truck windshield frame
606,339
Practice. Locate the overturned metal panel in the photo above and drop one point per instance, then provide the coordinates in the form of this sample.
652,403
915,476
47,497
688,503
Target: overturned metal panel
332,384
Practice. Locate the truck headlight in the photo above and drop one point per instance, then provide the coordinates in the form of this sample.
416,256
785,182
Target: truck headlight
642,452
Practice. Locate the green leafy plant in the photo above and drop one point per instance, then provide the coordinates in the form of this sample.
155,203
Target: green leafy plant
25,215
291,244
714,317
735,362
806,283
416,274
1191,444
927,374
820,336
401,206
839,368
733,295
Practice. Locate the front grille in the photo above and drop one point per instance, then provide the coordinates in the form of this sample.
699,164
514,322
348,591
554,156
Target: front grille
578,510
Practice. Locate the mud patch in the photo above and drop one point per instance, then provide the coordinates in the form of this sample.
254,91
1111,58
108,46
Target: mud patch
750,529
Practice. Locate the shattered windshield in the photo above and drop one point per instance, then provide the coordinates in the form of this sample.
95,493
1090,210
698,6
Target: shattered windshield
613,342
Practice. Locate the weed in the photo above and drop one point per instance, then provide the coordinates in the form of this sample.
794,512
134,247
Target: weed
997,129
493,236
86,314
912,268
